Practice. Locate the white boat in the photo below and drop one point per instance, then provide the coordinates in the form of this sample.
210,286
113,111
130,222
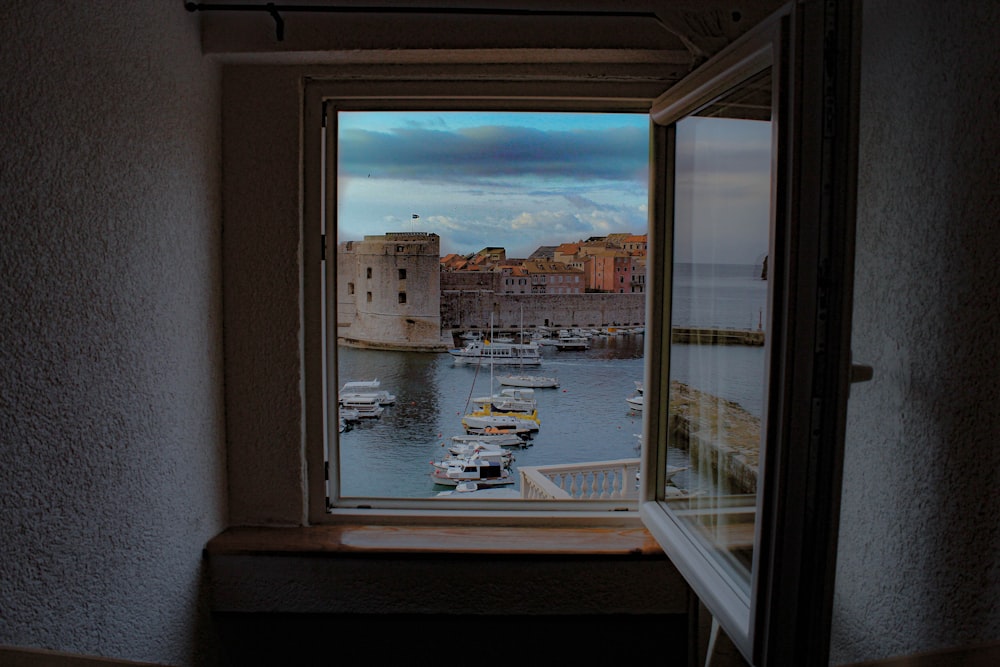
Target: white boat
367,406
461,487
502,458
636,401
472,490
511,399
482,471
462,450
529,381
382,396
360,386
571,342
487,352
497,438
533,381
483,419
366,388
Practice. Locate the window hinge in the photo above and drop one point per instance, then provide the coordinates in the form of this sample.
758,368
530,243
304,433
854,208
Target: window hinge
861,373
326,478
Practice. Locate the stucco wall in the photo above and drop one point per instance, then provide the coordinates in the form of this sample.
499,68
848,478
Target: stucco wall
112,475
918,564
112,465
261,256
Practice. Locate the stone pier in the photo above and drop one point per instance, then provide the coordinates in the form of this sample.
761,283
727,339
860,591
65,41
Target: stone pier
718,433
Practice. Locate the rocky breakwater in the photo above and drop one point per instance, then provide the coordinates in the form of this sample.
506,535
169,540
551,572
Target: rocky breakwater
716,433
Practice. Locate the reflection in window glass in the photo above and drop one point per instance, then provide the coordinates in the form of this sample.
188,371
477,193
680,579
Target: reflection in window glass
719,316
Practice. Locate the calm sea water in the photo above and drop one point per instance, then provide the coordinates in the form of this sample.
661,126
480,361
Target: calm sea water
584,419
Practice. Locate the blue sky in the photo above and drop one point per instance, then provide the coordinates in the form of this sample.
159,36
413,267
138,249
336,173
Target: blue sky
517,180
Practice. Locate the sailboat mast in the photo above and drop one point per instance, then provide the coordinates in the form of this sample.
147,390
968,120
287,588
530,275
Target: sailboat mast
520,340
492,364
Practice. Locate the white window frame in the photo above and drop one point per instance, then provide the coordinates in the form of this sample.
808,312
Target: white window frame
322,99
787,618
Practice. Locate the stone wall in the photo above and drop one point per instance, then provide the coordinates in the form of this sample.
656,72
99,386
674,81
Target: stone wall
387,291
472,310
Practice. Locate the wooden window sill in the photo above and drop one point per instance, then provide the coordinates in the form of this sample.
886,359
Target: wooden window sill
435,539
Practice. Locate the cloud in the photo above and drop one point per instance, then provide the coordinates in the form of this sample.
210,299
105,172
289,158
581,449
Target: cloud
524,180
493,155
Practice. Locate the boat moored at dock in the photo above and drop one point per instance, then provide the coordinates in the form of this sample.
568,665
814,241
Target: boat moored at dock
487,352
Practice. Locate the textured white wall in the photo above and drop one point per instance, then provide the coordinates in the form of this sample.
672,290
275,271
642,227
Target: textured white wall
112,464
111,435
262,260
918,564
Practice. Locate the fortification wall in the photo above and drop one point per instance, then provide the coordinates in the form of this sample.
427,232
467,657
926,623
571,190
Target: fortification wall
472,310
388,293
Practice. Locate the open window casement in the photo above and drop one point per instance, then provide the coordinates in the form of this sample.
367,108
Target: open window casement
759,554
759,549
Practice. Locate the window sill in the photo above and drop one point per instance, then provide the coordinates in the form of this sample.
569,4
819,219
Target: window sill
436,539
365,568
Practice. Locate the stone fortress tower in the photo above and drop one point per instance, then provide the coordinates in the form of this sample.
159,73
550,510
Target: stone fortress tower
389,292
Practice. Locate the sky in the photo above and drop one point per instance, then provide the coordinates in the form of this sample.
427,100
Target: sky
517,180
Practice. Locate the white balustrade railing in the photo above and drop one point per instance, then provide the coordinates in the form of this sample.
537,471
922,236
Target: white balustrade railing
594,480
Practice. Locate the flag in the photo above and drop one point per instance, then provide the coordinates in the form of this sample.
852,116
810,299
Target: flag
415,216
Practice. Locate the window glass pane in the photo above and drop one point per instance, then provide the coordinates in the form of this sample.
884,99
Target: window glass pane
458,204
722,223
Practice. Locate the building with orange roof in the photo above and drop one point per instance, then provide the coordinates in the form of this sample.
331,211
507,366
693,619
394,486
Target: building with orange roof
635,244
607,269
514,279
551,277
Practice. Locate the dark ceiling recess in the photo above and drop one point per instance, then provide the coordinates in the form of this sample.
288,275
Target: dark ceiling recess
275,11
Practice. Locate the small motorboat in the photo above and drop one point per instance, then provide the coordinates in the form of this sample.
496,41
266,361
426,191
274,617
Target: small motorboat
484,470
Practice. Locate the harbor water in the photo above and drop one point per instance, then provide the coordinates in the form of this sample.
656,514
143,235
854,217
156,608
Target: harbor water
585,419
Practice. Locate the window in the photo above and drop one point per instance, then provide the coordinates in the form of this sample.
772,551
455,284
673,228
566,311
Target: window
553,460
402,274
368,297
368,274
745,547
761,562
350,288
